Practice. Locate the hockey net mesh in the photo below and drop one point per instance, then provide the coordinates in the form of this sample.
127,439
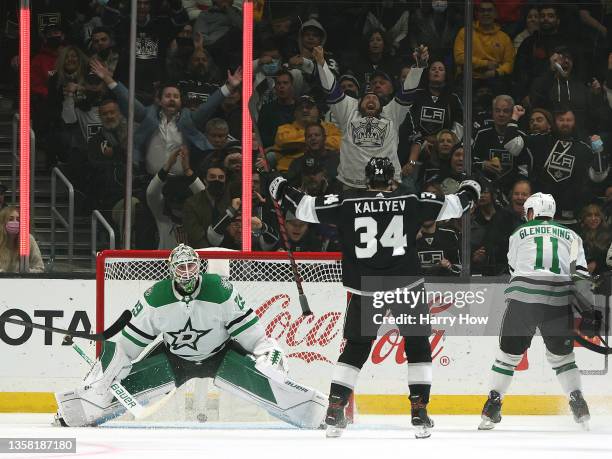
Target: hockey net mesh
155,269
260,276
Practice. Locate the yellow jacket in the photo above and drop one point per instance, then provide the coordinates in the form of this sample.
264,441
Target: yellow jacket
289,143
493,45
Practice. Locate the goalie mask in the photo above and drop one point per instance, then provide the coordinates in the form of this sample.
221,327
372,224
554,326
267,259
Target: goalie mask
543,205
184,266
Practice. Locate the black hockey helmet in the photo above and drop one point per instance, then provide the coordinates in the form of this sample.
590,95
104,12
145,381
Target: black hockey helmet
379,172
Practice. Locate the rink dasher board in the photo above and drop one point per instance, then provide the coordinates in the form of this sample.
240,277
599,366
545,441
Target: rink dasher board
461,364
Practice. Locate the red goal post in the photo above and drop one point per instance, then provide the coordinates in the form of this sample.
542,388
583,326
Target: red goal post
146,266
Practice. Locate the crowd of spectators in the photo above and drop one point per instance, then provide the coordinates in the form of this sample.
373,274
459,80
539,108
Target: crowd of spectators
541,101
333,82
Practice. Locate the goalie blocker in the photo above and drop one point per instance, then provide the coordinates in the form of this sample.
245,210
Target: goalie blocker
159,373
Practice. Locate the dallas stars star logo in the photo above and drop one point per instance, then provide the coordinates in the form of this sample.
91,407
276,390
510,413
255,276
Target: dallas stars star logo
187,337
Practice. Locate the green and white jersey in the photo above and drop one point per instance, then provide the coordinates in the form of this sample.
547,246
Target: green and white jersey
196,326
539,262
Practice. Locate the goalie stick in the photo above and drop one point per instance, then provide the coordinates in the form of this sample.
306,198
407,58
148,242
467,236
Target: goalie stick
591,346
111,331
139,411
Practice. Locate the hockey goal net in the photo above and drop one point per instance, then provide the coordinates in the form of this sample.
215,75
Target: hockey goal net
265,281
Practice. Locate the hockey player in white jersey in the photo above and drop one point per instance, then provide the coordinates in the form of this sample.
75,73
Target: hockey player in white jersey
539,296
208,331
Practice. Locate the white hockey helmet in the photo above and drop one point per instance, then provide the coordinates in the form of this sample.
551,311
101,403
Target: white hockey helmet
184,267
543,205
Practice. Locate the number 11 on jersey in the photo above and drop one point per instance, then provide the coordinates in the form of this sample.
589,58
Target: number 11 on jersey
539,263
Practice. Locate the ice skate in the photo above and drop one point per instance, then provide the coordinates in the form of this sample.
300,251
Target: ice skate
580,409
420,419
491,412
335,419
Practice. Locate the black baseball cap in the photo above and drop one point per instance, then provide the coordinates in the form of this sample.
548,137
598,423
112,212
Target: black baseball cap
348,76
564,51
50,28
233,146
380,73
305,100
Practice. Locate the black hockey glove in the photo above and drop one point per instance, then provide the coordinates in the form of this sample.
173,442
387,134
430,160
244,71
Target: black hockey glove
277,189
590,325
472,187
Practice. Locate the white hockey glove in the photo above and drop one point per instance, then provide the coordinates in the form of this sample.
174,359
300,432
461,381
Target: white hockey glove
270,360
472,187
277,188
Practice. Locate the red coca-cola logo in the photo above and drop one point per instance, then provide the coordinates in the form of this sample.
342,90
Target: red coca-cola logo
311,331
391,343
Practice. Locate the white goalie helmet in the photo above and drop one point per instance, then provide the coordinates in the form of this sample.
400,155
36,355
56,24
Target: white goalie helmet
543,205
184,267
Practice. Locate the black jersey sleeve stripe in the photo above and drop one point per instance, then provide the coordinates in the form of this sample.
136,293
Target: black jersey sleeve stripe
239,319
140,332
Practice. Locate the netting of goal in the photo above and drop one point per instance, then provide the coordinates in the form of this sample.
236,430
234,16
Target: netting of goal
265,281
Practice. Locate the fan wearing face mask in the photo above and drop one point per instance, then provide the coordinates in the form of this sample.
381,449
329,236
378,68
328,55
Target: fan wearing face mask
207,206
9,244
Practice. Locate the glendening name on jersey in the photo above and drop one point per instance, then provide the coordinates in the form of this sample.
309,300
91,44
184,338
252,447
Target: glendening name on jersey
194,326
539,261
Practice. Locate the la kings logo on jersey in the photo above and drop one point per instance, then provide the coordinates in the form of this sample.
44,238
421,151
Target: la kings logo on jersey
369,132
560,164
505,159
432,118
146,47
431,257
92,130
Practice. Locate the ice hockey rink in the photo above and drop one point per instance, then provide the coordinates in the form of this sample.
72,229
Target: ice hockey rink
370,437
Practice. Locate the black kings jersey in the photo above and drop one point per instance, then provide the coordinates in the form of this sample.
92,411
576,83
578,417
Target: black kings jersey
377,229
561,169
434,113
515,165
432,248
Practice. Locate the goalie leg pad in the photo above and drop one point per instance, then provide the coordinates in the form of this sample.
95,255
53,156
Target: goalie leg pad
148,380
287,400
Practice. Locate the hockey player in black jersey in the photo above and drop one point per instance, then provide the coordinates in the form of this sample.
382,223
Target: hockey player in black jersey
377,227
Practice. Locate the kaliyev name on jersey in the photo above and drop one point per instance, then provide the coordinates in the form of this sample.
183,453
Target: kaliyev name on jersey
379,206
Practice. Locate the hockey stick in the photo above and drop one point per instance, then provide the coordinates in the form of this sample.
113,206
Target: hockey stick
124,396
605,348
111,331
283,231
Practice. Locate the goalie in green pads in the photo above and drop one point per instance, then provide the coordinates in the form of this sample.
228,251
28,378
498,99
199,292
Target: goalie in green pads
202,319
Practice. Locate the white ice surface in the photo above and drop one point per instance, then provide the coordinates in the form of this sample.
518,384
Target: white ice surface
373,437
